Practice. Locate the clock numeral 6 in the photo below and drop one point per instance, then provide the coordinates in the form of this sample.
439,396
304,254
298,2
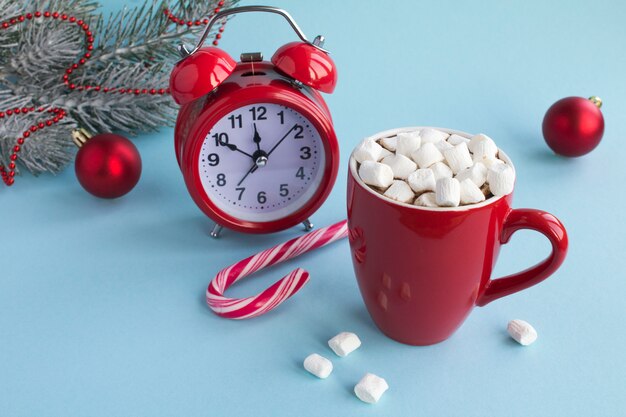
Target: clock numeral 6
284,191
306,152
220,139
214,159
261,198
241,190
221,180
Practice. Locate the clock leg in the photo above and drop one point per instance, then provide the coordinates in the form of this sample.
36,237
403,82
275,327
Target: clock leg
217,229
307,225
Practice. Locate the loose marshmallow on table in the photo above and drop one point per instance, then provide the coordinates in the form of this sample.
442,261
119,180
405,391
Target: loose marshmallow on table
432,135
458,157
470,192
401,165
426,200
390,143
501,178
427,155
441,170
422,180
476,173
448,192
344,343
522,332
400,191
376,174
318,365
455,139
407,143
367,150
370,388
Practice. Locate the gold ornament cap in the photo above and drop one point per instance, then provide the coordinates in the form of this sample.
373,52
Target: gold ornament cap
596,100
80,136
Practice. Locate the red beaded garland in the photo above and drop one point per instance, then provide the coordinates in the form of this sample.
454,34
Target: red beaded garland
59,114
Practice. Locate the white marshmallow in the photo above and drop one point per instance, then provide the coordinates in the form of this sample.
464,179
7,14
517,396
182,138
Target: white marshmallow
441,170
427,155
345,342
367,150
370,388
470,192
383,154
455,139
522,332
401,165
477,173
442,145
476,139
400,191
491,162
407,143
390,143
426,200
318,365
501,178
458,157
486,149
448,192
422,180
432,135
376,174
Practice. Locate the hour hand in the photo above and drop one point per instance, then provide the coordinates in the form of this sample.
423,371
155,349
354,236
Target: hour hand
234,147
257,138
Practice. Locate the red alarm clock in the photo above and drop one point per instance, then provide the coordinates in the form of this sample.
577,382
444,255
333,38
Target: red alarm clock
255,139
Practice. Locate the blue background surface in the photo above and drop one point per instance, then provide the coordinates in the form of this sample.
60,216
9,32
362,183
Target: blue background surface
102,307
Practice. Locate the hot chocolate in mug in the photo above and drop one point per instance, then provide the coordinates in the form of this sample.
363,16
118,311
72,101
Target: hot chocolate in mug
422,270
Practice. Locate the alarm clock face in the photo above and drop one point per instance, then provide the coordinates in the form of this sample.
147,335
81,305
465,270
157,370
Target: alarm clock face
261,162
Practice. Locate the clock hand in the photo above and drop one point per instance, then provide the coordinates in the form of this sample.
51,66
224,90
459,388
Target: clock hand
257,138
233,147
250,171
282,139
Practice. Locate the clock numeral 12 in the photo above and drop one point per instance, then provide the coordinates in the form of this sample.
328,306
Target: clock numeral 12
258,113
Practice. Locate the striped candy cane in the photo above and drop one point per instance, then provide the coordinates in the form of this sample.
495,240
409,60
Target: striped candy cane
245,308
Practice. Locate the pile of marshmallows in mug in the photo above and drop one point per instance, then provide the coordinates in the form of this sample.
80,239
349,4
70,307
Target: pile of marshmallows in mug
431,168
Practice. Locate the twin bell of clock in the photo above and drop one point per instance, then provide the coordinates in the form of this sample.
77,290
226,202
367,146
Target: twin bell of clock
254,139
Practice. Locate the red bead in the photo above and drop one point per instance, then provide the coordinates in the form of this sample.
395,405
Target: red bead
48,122
161,91
16,148
37,14
9,112
55,15
72,86
10,181
17,111
122,90
74,66
64,16
106,89
66,77
221,29
29,16
25,110
11,174
55,119
85,26
205,21
11,165
181,22
221,3
26,133
87,55
88,34
41,125
190,23
13,21
215,43
72,19
1,114
90,39
97,88
46,14
82,61
21,18
79,22
197,23
33,128
218,36
5,25
137,91
89,47
13,157
20,141
68,71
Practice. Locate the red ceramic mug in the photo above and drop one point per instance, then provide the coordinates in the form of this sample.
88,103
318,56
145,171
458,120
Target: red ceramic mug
422,270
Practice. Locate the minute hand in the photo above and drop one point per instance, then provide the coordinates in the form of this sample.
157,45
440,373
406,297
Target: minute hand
282,139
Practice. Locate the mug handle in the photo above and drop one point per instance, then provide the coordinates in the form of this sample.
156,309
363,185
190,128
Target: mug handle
544,223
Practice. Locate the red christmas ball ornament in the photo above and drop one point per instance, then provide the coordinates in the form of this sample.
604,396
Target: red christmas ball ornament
574,126
107,165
